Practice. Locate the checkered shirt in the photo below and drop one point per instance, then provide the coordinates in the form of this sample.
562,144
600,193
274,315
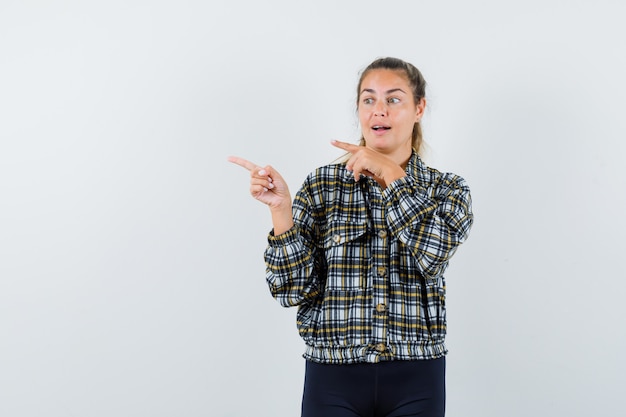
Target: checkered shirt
365,265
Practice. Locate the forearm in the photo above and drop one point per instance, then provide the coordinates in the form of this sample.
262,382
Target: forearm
282,219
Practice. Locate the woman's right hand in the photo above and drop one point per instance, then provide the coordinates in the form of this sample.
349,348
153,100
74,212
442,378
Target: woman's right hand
266,184
269,187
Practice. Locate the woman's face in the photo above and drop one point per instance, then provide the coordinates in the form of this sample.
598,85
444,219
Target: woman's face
388,112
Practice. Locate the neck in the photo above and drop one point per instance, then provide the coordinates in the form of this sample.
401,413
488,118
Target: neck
401,156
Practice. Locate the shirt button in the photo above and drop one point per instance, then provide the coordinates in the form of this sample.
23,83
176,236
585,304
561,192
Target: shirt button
382,271
381,308
382,234
337,238
380,347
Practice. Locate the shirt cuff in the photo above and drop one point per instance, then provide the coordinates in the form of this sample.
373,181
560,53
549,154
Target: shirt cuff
286,238
407,203
404,186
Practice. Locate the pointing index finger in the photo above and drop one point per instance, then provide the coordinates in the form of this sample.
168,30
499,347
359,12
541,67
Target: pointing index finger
242,162
345,146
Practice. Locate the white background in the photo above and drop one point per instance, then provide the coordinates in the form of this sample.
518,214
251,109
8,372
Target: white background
131,271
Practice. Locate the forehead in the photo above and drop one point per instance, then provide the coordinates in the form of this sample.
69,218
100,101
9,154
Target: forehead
385,79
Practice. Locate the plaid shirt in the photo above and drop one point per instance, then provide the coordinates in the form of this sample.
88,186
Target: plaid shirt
365,265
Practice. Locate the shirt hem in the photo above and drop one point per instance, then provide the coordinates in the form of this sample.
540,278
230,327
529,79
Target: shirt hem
370,354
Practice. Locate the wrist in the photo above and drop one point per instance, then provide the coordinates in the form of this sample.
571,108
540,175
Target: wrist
394,174
281,208
282,219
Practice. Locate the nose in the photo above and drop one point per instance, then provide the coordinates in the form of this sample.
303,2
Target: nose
380,109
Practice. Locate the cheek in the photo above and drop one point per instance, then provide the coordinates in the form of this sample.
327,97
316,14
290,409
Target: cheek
410,117
363,116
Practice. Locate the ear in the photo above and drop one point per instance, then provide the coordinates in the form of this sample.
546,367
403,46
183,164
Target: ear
421,106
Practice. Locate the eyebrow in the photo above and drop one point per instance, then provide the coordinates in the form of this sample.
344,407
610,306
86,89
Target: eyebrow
393,90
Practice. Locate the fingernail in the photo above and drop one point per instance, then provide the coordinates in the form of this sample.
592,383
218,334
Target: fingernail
271,185
262,172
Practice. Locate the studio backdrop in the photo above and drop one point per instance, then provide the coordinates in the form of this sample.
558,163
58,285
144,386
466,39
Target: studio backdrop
132,280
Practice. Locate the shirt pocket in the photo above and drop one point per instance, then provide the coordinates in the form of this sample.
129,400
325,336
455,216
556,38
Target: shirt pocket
347,255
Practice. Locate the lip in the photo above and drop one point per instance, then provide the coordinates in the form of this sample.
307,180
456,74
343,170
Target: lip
380,132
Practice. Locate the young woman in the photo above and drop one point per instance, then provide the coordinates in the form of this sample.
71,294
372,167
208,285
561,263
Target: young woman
362,250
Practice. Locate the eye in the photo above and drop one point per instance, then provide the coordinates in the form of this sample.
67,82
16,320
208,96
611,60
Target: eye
368,100
393,100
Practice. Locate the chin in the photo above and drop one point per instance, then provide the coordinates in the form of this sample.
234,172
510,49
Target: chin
377,143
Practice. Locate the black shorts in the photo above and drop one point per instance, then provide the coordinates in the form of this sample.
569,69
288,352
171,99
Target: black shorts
386,389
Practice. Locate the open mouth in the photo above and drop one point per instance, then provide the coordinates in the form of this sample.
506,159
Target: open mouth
379,128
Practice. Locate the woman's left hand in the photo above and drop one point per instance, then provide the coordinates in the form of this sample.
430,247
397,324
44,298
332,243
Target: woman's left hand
366,161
